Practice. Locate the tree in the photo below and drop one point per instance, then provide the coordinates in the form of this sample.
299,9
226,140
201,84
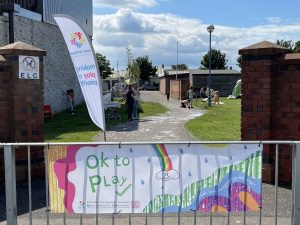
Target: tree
140,68
104,65
218,60
133,72
146,68
297,47
179,67
287,44
239,61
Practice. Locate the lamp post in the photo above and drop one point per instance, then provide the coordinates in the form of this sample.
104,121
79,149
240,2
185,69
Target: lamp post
177,61
210,29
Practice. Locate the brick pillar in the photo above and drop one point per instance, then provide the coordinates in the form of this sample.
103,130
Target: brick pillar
259,74
286,110
21,99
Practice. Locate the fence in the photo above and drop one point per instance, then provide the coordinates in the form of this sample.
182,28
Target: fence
270,217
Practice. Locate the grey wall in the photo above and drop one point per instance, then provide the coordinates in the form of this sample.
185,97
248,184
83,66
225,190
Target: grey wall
79,9
59,73
222,83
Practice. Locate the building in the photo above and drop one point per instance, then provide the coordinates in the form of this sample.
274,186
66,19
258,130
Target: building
177,83
33,24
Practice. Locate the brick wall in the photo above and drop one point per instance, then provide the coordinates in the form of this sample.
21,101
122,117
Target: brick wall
5,103
162,85
58,68
21,107
271,101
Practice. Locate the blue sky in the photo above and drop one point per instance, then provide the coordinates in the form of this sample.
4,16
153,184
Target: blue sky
152,27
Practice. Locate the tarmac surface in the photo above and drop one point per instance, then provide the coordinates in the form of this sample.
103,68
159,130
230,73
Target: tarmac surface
166,127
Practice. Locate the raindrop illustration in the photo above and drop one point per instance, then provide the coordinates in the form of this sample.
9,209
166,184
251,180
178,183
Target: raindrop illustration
142,182
149,160
206,160
181,151
230,157
190,174
245,147
130,150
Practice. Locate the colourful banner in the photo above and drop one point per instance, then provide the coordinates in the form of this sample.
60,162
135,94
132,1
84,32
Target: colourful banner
155,178
86,66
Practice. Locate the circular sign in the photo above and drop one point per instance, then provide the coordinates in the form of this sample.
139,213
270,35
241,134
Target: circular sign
28,64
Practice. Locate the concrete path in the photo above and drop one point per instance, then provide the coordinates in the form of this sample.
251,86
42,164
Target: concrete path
166,127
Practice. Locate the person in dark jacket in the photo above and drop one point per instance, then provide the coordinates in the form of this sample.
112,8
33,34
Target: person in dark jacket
129,102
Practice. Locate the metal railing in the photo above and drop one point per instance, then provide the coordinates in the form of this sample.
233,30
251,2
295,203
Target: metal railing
193,216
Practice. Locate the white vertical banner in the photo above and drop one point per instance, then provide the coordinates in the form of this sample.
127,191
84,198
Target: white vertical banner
86,66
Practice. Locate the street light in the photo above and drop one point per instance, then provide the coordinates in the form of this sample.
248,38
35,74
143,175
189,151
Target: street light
210,29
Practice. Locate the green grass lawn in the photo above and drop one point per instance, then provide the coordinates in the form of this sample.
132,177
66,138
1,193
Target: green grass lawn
80,128
220,123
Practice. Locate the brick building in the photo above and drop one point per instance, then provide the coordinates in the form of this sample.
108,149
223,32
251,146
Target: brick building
271,101
221,80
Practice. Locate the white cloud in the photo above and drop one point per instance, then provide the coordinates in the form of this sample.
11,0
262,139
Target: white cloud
156,35
134,4
167,175
274,20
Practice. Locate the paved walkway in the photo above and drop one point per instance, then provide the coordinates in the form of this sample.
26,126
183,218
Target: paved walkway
166,127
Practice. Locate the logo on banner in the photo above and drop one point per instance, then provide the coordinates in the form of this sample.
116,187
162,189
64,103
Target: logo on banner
77,39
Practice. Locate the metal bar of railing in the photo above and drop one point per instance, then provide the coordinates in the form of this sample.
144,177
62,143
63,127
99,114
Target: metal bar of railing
195,216
129,219
10,184
154,142
97,217
296,186
29,184
293,181
47,183
260,216
210,218
261,188
81,219
163,205
276,182
64,218
228,217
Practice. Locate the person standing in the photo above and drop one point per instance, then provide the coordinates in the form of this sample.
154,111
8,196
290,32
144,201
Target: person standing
129,102
135,102
190,97
203,92
71,96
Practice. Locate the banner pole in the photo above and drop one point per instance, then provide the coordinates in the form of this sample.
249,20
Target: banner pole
104,135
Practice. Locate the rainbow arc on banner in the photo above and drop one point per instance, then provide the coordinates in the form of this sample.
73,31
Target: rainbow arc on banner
163,156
